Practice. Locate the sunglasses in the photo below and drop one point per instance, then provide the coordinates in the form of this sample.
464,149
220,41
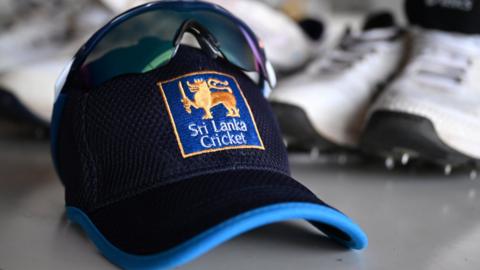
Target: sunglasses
148,36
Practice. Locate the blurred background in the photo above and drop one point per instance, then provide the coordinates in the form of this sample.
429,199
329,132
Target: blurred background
37,38
418,216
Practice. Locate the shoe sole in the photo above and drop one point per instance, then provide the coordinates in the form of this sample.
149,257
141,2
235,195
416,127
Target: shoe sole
297,129
395,134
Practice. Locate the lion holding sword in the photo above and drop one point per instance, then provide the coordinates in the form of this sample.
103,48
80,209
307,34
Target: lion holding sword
204,98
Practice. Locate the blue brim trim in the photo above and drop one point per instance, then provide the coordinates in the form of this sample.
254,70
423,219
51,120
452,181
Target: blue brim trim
224,231
55,123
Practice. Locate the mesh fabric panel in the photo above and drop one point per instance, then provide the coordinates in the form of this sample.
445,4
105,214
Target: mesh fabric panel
123,142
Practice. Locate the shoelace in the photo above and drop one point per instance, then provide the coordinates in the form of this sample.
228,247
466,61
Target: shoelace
443,59
352,49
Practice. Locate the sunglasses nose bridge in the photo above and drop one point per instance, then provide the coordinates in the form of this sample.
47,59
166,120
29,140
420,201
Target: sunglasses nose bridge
204,37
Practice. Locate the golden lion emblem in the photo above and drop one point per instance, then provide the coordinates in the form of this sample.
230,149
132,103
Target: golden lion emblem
204,98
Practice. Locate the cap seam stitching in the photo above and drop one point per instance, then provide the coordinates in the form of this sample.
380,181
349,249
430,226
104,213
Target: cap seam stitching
89,155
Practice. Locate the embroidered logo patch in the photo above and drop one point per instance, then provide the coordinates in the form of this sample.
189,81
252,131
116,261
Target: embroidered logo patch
209,113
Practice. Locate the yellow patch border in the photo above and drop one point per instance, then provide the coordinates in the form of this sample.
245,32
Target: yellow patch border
179,141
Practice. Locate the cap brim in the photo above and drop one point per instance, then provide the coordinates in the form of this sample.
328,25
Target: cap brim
173,224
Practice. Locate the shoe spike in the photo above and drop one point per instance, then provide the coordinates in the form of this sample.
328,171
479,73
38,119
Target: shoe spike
405,158
314,153
473,174
447,170
390,162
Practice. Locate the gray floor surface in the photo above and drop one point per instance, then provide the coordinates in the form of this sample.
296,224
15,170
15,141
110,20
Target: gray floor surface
414,219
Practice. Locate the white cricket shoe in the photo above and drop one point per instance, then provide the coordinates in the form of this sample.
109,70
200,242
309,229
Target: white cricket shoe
432,110
36,41
32,87
326,105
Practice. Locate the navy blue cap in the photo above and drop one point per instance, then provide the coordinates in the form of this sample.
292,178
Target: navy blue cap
161,167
